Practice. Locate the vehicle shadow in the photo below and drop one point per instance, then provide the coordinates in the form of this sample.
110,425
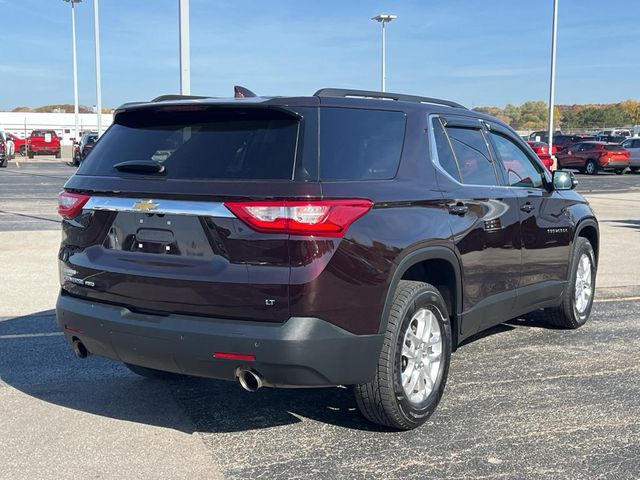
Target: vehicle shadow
533,319
627,223
36,360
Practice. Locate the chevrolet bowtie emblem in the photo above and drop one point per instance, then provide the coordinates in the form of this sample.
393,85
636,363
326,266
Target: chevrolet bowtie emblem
145,205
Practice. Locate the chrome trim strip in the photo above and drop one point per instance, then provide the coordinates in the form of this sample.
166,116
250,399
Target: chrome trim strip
145,205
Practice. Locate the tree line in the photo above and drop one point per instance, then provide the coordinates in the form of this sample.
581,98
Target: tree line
534,115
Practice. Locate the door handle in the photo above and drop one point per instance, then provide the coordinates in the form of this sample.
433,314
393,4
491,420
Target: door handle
527,207
458,209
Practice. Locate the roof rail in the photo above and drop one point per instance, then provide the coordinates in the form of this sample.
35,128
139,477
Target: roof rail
342,92
164,98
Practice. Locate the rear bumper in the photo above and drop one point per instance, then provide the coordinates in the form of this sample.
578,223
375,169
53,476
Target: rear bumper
615,165
44,150
302,352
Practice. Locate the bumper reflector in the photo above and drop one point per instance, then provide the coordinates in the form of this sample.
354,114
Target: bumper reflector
235,356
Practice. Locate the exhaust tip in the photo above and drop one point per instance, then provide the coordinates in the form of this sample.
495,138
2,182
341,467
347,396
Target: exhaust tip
79,349
248,379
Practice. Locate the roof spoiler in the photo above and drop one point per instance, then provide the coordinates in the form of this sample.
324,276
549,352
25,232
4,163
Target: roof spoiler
166,98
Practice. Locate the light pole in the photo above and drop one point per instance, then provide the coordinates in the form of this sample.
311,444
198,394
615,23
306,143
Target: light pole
552,80
185,67
384,18
96,32
75,62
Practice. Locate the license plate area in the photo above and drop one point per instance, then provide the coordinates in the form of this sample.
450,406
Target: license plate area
158,233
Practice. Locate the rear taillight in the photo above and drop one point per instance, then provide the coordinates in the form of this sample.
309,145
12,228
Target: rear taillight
324,218
70,204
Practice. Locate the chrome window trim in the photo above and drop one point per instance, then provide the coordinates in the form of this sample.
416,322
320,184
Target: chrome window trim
436,161
172,207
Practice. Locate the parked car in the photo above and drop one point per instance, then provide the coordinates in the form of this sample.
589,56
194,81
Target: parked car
20,144
84,146
542,150
611,138
542,135
632,145
316,241
75,152
614,132
591,157
7,149
43,142
563,142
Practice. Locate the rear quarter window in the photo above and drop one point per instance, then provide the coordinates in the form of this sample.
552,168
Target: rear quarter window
359,144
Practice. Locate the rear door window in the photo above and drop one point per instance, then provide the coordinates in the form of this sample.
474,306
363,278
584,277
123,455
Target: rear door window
359,144
200,143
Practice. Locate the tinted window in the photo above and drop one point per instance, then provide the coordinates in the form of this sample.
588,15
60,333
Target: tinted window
210,143
636,144
472,155
360,144
521,172
42,133
574,148
614,148
445,156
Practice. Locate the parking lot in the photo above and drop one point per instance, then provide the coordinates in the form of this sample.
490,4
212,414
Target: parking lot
522,400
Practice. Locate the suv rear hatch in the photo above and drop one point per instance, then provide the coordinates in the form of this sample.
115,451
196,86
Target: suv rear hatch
146,225
615,154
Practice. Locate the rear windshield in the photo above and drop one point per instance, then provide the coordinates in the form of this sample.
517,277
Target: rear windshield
358,144
42,133
614,148
202,143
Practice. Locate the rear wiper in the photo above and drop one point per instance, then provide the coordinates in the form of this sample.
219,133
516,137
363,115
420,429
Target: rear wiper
141,166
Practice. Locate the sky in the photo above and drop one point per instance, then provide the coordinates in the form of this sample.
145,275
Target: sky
476,52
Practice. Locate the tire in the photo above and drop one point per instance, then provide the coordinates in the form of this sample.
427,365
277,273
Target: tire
571,313
22,150
591,168
619,172
153,373
30,155
58,154
384,400
3,163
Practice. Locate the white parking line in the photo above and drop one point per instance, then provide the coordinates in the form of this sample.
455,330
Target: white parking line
30,335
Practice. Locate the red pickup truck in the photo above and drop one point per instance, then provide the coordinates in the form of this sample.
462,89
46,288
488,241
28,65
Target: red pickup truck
43,142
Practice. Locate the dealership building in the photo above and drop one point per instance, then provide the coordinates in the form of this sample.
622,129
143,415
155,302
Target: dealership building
23,123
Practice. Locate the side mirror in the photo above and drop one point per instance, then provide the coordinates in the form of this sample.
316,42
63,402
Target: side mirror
563,180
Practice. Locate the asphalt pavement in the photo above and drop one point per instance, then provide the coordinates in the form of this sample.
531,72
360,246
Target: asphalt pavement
522,400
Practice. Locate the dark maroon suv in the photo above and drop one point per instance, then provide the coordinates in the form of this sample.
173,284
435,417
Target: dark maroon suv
346,238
